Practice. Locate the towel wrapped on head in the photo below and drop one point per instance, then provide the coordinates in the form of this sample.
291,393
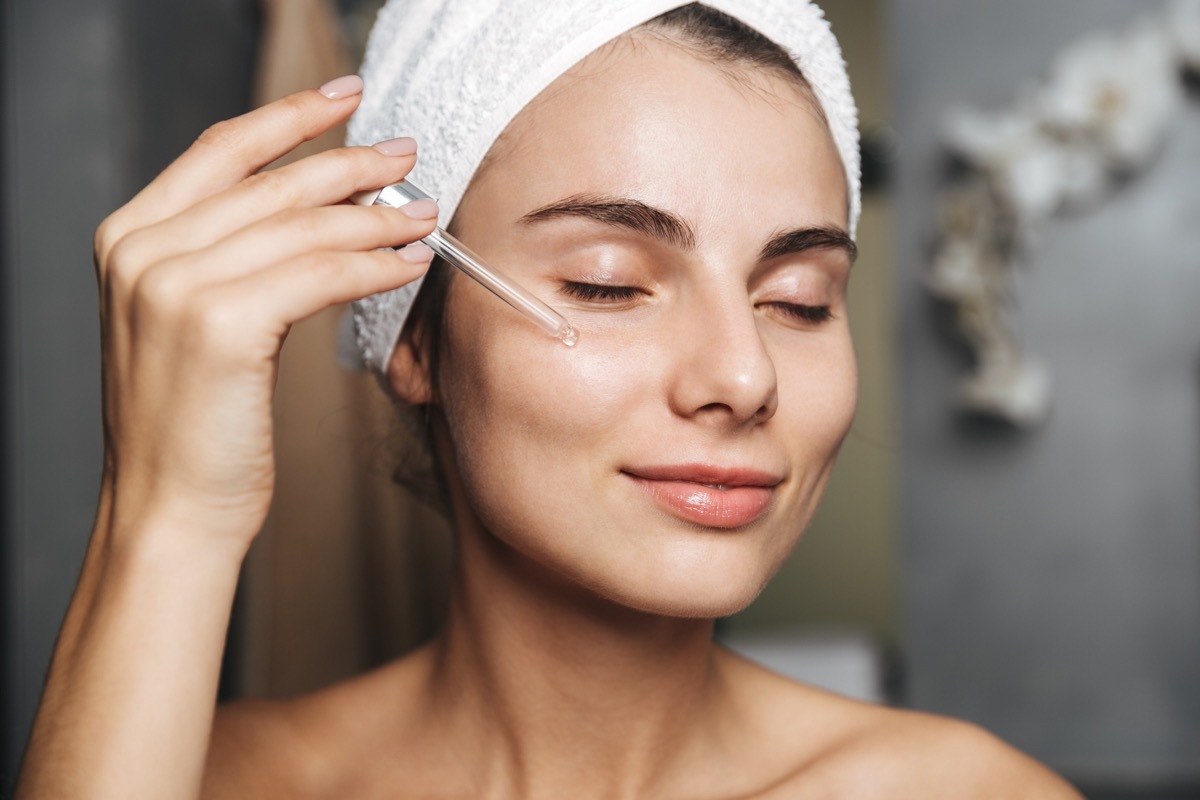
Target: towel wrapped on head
454,73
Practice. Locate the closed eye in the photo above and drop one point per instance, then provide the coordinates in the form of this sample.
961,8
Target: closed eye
596,292
813,315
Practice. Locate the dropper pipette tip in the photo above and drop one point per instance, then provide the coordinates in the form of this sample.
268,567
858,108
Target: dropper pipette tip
458,254
568,335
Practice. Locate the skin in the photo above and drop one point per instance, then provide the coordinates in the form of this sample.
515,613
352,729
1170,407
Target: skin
578,658
705,365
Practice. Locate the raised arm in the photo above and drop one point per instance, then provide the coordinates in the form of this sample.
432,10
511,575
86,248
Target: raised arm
201,276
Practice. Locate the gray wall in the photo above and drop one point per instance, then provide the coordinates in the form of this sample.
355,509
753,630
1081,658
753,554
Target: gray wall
98,95
1051,579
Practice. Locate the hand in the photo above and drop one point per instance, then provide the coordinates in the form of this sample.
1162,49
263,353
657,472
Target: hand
201,276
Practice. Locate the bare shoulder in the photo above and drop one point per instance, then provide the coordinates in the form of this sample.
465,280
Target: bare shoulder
922,755
301,747
254,751
839,747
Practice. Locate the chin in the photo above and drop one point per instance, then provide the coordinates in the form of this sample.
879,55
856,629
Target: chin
704,590
691,603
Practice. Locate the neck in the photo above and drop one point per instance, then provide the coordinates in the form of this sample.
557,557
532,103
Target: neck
550,687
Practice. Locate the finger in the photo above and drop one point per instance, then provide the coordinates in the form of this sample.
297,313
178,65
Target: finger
165,289
231,150
292,233
301,287
318,180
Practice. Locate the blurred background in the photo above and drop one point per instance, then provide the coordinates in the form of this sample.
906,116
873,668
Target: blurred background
1013,532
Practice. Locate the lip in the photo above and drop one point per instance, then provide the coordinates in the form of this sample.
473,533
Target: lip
708,495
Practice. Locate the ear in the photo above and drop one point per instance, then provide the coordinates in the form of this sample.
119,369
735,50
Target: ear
408,370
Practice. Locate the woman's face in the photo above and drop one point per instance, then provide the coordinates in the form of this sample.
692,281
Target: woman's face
691,226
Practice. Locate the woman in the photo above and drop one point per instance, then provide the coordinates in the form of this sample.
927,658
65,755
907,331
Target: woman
686,197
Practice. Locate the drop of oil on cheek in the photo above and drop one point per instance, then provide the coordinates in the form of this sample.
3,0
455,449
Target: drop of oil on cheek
568,335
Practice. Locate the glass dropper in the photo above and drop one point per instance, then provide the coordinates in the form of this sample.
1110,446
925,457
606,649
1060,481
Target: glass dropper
461,256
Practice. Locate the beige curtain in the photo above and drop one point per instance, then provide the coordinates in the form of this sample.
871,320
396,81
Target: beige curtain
350,570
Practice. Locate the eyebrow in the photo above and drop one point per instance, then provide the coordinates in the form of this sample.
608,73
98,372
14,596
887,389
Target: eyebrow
632,215
818,237
665,226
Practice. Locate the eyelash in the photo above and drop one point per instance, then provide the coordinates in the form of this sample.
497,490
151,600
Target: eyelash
594,292
813,315
599,292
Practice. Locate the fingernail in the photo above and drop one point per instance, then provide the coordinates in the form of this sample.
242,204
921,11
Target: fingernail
420,209
404,146
416,253
344,86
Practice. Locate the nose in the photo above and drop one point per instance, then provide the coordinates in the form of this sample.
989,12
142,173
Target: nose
724,374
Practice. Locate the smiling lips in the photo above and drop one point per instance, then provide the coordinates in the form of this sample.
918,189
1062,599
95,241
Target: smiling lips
713,497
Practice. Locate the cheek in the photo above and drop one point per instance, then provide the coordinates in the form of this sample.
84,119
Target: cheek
819,370
818,392
534,423
828,390
539,430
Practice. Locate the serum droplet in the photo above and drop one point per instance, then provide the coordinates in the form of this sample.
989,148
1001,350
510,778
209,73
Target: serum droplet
568,335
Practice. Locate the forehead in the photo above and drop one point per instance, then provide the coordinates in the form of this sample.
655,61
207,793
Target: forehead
646,118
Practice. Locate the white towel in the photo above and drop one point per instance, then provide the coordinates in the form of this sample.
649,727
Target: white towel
454,73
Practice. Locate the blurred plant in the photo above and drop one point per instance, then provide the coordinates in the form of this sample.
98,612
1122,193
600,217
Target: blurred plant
1100,115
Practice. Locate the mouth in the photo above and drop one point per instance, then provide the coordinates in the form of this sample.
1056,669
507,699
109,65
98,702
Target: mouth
708,496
